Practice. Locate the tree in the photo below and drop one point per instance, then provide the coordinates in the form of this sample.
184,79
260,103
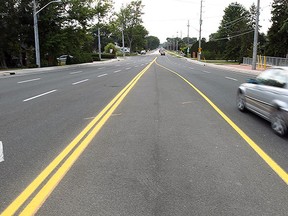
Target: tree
277,34
235,34
130,19
152,42
64,28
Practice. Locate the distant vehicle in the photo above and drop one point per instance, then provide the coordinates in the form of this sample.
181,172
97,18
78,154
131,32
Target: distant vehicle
143,52
64,57
126,49
267,96
162,52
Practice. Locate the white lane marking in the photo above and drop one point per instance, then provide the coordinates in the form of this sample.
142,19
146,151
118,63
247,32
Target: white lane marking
89,118
191,68
101,68
31,98
116,114
230,78
187,102
117,71
1,152
118,65
102,75
136,66
206,72
31,80
76,72
128,68
142,64
80,82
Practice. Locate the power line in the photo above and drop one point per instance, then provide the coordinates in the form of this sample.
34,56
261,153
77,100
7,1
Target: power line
229,37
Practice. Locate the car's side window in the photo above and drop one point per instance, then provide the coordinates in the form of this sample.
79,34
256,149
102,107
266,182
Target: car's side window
276,78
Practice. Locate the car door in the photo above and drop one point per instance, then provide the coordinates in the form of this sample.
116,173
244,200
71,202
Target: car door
271,88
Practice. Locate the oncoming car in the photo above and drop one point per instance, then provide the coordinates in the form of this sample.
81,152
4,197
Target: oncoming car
267,96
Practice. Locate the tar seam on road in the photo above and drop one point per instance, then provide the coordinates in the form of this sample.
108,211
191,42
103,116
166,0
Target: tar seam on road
78,145
277,169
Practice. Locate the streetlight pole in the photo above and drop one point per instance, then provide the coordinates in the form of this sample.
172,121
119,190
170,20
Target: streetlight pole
36,33
256,37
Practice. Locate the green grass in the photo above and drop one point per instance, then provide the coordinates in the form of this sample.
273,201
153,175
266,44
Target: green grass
221,62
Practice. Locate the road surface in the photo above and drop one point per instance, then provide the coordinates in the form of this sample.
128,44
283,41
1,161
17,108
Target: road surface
142,136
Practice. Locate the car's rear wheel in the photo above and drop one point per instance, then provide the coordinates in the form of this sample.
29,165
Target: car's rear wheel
241,102
278,123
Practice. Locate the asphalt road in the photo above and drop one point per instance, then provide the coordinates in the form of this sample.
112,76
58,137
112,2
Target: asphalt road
158,149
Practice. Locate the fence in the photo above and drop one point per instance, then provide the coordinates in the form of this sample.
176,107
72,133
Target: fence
267,60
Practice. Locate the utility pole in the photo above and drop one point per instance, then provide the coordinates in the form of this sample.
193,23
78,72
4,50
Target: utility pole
188,26
123,43
177,42
255,37
188,51
99,43
199,48
36,34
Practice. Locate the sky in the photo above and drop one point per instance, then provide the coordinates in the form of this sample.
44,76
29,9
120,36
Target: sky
169,18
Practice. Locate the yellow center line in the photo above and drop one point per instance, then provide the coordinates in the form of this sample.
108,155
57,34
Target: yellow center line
277,169
35,204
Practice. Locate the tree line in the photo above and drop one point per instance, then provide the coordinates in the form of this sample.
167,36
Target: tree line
68,27
234,38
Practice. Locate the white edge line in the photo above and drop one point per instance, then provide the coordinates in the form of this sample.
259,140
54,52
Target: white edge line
206,71
1,152
102,75
117,71
49,92
31,80
230,78
80,82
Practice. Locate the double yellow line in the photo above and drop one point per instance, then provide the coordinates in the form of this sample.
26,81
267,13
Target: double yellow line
79,144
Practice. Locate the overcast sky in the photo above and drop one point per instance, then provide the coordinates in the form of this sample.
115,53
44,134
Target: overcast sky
164,18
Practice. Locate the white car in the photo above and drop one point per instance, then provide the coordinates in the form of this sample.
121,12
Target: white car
143,52
267,96
64,57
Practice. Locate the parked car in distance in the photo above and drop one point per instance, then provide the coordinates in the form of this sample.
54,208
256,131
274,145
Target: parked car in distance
64,57
267,96
143,52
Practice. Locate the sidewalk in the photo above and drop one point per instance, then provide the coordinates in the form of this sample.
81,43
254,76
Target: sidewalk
232,67
52,68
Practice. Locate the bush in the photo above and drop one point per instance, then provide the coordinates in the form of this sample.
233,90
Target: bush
110,46
80,58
